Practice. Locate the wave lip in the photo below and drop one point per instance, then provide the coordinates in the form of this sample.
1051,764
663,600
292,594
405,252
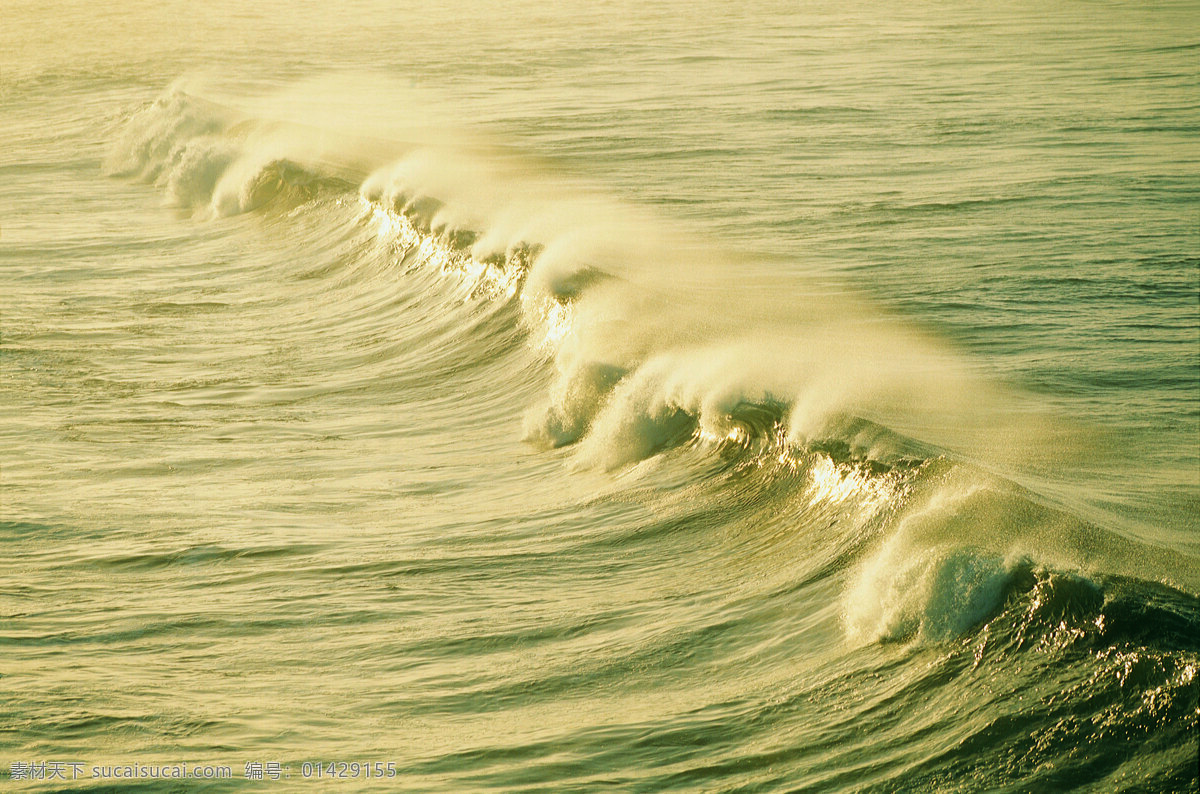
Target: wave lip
936,596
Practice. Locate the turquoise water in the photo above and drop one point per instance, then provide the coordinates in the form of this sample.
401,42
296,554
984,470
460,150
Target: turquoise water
649,397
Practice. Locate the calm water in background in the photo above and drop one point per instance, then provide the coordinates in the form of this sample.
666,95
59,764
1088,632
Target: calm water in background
752,397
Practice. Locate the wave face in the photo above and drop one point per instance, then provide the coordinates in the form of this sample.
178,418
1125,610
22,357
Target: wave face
347,431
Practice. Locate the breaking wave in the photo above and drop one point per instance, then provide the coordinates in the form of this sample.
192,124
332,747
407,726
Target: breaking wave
912,481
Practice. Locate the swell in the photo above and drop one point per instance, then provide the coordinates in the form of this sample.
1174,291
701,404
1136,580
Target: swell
653,341
822,532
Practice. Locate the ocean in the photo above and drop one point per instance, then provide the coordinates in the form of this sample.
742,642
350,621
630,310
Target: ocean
608,396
